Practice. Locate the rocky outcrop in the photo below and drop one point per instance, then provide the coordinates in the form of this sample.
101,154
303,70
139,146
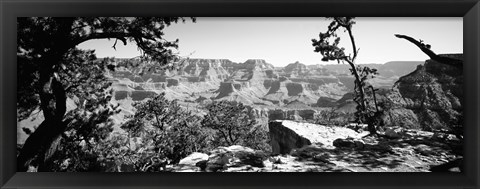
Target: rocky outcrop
394,132
252,64
225,89
288,135
221,159
348,143
284,139
290,93
430,98
234,156
255,81
191,162
296,69
420,151
294,89
326,102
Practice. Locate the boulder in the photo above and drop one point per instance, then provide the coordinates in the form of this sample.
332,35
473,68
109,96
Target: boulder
218,159
348,143
190,163
288,135
394,132
283,138
223,158
424,150
254,159
438,136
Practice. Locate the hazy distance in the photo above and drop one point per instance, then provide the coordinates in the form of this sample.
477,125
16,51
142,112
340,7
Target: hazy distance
281,40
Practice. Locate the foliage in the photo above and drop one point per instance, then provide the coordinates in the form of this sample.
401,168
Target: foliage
51,69
328,45
89,122
78,148
161,132
40,38
258,139
234,124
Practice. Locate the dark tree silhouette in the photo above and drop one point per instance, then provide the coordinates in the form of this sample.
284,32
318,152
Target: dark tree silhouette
426,49
168,133
328,45
43,45
231,120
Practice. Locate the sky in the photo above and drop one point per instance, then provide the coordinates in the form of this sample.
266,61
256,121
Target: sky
280,40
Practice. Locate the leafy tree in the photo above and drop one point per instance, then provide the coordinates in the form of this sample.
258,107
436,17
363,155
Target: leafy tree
78,148
328,45
45,50
86,124
258,139
234,124
167,133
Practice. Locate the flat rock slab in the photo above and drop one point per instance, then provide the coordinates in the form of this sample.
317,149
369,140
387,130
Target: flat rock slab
288,135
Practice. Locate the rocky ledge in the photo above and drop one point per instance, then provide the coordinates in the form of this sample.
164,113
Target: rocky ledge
288,135
303,147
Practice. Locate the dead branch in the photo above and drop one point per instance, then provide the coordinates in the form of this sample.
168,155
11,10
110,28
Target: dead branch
426,49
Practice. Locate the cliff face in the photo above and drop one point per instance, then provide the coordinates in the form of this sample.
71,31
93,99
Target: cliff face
255,80
293,92
429,98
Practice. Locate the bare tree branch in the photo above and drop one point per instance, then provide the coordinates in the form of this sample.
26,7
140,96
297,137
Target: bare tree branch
425,49
117,35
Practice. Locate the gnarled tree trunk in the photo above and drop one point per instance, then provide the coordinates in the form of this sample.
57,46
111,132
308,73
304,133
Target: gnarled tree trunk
38,146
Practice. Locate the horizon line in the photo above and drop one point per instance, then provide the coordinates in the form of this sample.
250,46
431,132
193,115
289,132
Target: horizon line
307,64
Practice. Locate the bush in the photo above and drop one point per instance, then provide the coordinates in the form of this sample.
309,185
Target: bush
80,147
234,124
168,133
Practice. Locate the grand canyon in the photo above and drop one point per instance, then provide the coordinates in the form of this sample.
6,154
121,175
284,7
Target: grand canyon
161,112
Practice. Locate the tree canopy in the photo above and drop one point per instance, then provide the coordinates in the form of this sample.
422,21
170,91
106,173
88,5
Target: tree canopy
50,69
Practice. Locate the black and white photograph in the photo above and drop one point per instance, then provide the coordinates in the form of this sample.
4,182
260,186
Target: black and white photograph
240,94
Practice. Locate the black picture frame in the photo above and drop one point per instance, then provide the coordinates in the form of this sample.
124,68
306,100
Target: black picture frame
10,9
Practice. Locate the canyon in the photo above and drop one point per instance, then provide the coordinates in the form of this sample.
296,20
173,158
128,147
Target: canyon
294,92
426,100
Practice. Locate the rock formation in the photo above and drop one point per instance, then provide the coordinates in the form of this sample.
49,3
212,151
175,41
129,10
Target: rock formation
190,163
221,159
294,92
288,135
429,98
254,81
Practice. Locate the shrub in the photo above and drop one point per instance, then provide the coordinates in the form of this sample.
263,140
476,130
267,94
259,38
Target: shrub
234,124
168,133
80,146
